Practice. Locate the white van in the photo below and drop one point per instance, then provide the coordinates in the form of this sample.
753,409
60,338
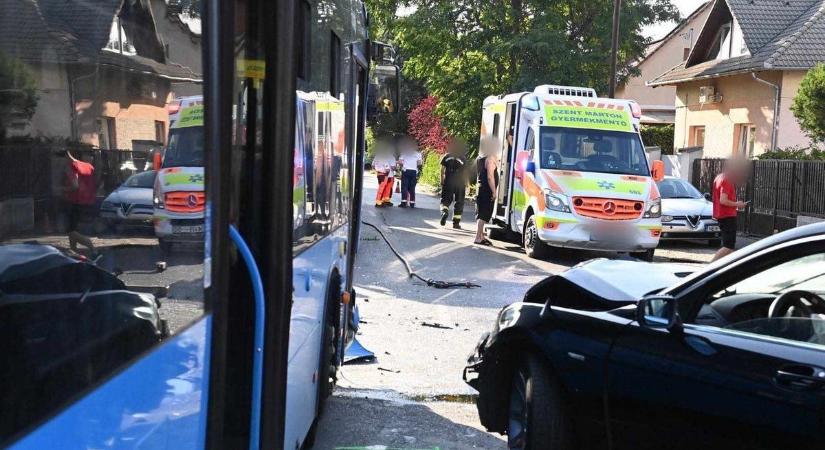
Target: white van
179,199
574,172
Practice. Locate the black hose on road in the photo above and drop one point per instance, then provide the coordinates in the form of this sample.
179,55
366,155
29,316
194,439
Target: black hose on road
438,284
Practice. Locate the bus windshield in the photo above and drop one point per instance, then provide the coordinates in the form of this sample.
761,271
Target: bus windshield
185,148
589,150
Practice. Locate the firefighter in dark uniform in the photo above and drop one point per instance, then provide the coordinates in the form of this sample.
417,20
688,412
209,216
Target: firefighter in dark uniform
453,181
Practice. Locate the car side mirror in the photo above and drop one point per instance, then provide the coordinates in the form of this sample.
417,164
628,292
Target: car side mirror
708,196
659,312
530,167
658,170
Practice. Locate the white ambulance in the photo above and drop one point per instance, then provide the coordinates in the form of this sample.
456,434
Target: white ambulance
179,200
574,172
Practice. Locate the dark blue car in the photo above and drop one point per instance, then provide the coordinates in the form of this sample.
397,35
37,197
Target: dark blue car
633,355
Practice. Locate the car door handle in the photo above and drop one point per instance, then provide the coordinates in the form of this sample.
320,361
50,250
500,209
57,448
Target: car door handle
800,377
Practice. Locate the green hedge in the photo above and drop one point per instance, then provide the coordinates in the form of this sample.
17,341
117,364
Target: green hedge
431,172
660,136
799,153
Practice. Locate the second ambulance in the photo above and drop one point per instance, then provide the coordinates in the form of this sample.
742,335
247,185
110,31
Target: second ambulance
574,172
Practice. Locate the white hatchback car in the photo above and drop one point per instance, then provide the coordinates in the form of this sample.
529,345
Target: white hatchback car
687,214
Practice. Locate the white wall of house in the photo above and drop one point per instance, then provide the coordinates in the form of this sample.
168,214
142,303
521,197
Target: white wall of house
670,53
52,117
790,134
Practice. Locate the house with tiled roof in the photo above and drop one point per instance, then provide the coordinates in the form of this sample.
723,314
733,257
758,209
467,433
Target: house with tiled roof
101,71
661,55
734,92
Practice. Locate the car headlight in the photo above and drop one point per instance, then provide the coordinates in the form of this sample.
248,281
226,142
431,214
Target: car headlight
556,201
654,209
667,218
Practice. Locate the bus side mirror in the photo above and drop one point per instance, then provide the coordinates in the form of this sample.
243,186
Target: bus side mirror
383,97
530,167
658,170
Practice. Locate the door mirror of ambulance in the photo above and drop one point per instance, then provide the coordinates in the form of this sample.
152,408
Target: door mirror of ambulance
658,170
530,167
157,160
659,312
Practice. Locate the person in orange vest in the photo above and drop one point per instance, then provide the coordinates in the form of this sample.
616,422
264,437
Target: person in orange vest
384,164
80,193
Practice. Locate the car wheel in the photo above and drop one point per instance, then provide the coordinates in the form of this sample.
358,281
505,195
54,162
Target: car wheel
533,245
646,255
715,243
537,413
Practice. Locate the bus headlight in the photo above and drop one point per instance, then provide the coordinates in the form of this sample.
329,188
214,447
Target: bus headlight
654,209
556,201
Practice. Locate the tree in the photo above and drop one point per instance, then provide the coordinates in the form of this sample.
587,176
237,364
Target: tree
425,125
465,50
18,92
809,104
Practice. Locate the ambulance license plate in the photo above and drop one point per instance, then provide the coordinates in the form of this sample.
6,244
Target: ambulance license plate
187,229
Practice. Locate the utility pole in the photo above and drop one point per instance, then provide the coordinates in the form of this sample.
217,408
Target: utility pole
614,49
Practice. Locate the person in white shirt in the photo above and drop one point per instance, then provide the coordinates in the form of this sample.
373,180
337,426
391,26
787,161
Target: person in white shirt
384,164
410,161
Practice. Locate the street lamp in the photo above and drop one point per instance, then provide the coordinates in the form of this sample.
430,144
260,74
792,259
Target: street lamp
614,49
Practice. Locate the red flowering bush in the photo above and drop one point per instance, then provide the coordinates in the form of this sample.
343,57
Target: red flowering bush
425,126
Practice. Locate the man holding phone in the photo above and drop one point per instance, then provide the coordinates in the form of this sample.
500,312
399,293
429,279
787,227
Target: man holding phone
725,205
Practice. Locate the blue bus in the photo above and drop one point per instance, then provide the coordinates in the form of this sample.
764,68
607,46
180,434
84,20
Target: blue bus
114,336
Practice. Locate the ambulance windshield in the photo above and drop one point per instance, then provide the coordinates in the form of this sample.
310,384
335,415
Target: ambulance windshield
185,148
589,150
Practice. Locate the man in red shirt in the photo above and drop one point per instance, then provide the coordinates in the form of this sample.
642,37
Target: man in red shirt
80,193
725,205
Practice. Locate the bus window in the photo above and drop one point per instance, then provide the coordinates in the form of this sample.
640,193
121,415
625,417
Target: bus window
101,249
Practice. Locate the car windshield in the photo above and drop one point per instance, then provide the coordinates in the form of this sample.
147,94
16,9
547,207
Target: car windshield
593,151
185,148
675,188
803,274
141,180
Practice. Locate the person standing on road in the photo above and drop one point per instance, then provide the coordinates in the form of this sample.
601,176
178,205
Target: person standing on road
487,168
453,181
410,160
80,193
384,164
725,205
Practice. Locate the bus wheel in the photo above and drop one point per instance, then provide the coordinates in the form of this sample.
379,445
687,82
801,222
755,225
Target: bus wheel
328,367
533,245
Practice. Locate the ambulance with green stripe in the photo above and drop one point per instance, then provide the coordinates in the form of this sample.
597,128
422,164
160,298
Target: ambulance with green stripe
574,172
179,200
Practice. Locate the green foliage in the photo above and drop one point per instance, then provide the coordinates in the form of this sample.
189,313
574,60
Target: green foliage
798,153
809,104
18,92
660,136
369,138
431,172
464,51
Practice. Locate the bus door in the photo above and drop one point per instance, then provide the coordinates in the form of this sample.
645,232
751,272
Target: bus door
506,156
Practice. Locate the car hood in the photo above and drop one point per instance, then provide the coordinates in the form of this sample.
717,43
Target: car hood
686,207
603,284
135,196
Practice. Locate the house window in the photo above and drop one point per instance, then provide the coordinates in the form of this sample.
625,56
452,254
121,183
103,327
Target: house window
747,140
160,132
697,136
106,133
118,42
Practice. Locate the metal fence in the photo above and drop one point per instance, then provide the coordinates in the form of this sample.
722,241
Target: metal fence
779,192
33,170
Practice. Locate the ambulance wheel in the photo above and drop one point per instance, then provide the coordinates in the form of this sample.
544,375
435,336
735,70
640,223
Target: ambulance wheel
165,246
646,255
533,245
